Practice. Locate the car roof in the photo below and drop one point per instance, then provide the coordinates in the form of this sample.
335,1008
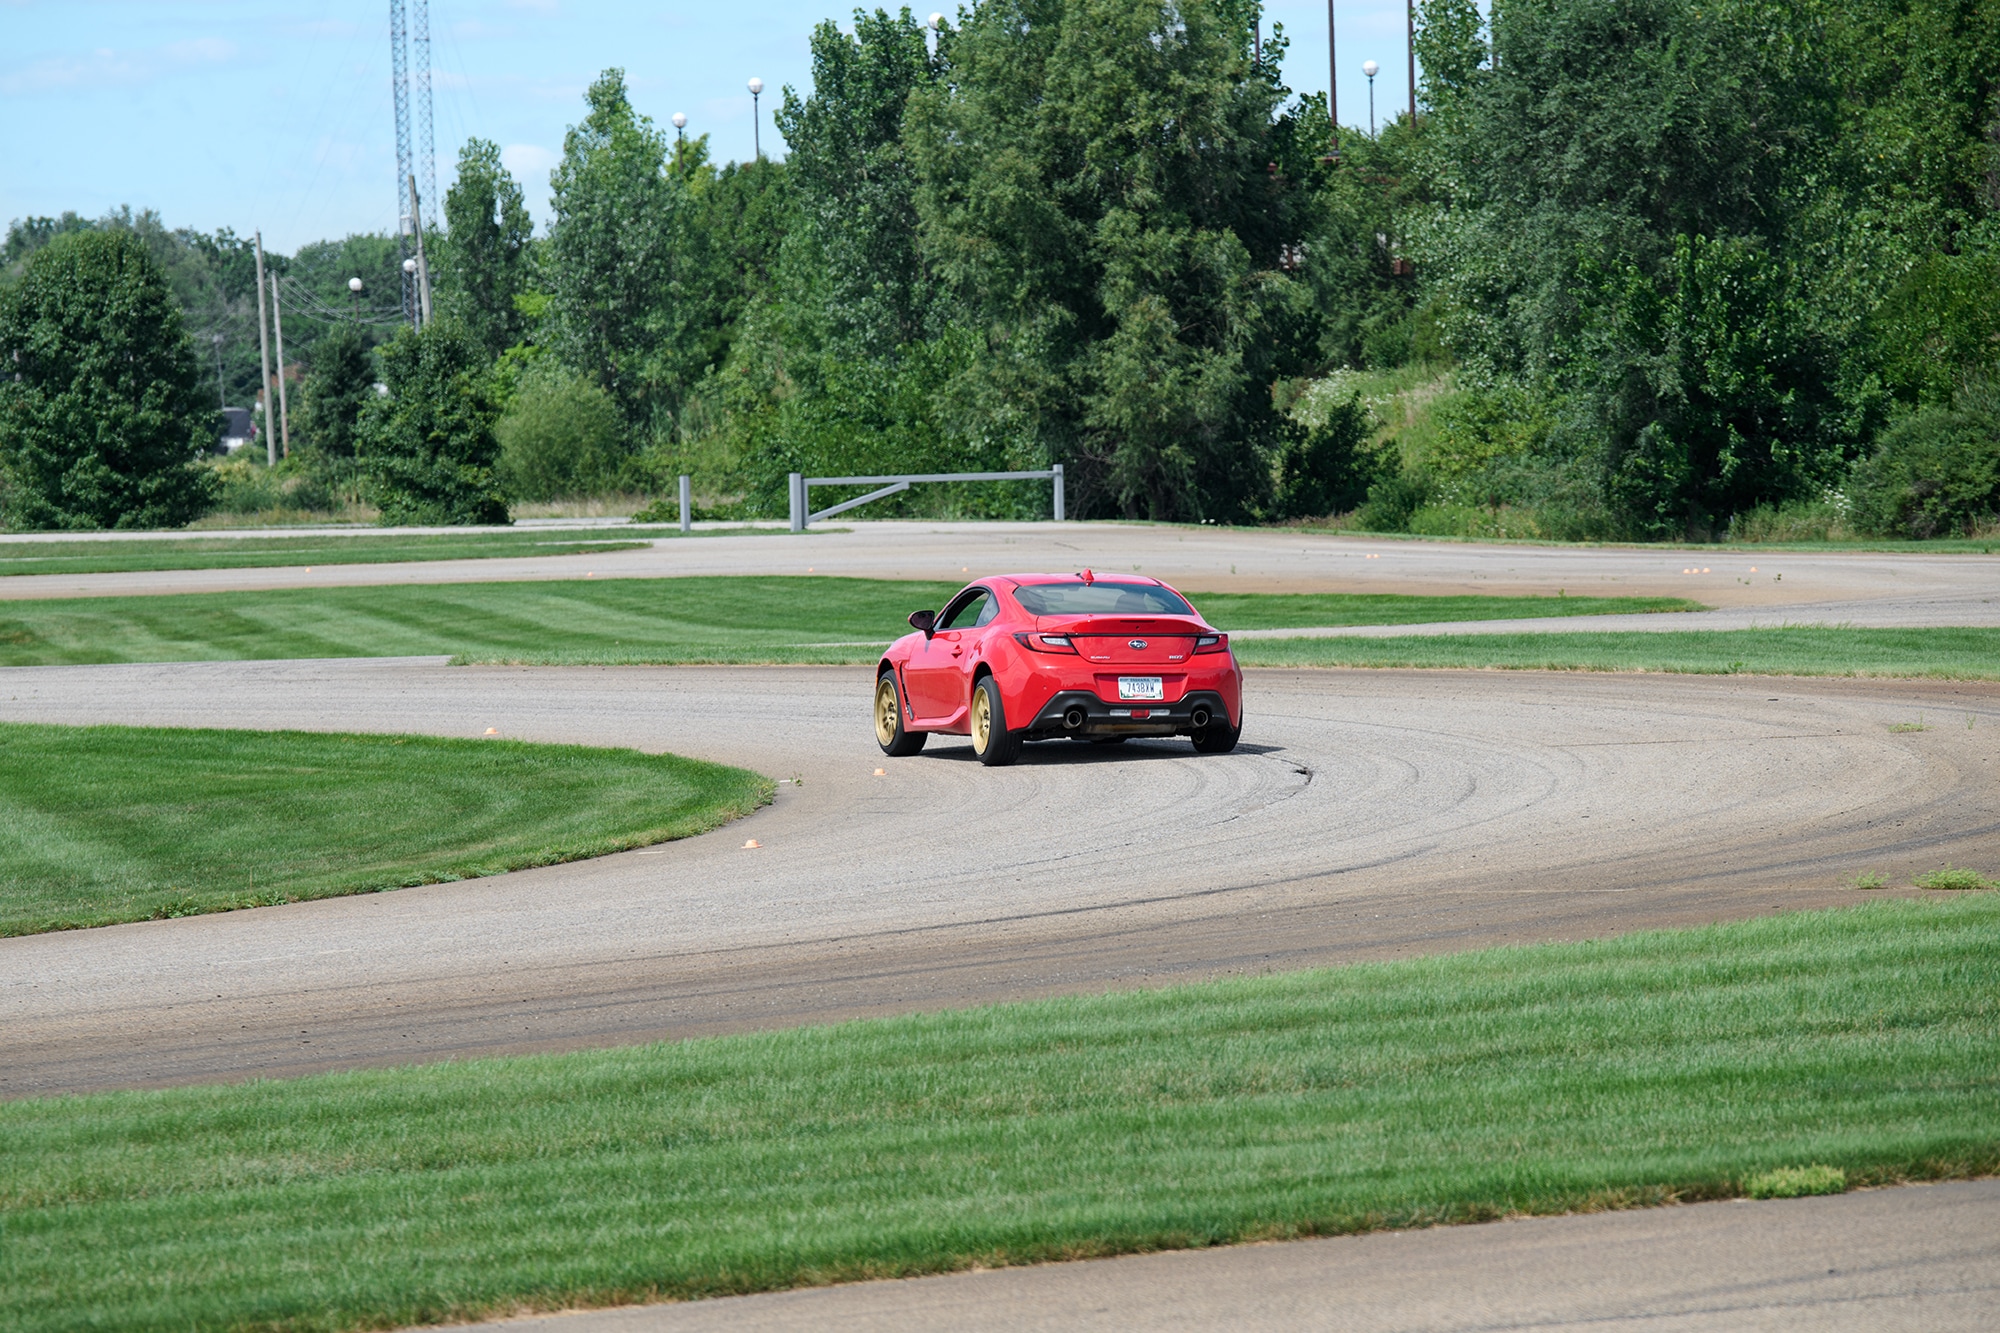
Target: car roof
1030,580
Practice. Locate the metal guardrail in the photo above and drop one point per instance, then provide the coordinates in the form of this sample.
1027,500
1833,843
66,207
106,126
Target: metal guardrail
801,489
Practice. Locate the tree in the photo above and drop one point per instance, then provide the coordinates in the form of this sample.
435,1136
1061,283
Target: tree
340,384
627,271
428,448
485,256
1096,189
854,255
103,418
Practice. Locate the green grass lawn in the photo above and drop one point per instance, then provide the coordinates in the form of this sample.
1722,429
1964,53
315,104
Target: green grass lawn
84,556
104,824
1949,653
711,619
1675,1065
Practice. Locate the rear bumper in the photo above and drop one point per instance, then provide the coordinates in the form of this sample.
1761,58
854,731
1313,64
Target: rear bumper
1083,713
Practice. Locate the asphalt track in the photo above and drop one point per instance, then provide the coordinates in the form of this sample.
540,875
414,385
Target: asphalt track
1370,814
1919,1260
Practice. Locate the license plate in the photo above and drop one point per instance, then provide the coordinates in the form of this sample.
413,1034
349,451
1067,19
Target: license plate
1140,687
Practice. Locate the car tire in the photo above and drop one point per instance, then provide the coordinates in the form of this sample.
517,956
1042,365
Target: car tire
896,742
991,741
1218,737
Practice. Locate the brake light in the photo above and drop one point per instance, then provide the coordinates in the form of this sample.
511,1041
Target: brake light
1211,643
1046,643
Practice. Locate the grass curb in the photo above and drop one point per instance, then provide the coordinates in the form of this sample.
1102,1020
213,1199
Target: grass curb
1939,653
100,825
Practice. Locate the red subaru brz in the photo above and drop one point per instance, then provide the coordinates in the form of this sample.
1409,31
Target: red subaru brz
1029,657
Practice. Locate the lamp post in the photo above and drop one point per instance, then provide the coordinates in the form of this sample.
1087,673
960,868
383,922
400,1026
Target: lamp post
756,118
1371,69
409,274
354,298
680,139
221,394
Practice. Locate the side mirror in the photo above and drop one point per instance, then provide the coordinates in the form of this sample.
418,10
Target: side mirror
923,620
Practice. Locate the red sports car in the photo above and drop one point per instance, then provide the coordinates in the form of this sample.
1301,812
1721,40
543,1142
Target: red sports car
1028,657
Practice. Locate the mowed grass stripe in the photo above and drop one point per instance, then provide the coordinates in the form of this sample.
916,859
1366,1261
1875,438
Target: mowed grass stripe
695,619
108,824
1670,1065
1946,653
84,556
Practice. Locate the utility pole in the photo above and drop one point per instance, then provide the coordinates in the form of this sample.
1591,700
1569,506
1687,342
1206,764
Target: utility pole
423,268
1412,8
221,394
264,358
278,328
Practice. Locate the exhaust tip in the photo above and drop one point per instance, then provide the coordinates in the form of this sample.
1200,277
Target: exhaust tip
1199,716
1073,718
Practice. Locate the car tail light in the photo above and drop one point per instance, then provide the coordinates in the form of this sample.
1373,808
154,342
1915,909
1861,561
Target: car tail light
1046,643
1211,643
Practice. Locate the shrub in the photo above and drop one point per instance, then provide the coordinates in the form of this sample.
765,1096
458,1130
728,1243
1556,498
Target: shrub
1327,466
1954,878
427,449
1818,520
1936,472
561,436
1392,501
103,420
1792,1182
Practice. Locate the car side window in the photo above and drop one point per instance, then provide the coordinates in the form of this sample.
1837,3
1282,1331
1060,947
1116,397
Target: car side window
970,612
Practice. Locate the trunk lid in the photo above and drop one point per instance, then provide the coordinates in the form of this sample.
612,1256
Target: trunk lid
1128,641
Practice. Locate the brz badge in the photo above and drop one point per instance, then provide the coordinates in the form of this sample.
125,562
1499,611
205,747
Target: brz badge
1137,645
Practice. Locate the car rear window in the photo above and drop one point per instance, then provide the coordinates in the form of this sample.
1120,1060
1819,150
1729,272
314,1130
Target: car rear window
1100,598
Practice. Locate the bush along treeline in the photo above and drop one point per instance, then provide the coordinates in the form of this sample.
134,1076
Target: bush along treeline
1637,269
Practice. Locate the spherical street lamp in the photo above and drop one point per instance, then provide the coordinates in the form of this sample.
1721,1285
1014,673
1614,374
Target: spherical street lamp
756,126
937,23
409,266
1371,69
680,125
354,285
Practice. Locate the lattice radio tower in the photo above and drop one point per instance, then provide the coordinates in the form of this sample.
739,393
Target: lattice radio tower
405,40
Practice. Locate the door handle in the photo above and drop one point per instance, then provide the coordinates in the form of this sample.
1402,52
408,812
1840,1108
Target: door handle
958,652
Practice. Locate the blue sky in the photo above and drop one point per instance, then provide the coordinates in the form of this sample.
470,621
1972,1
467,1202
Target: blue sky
261,114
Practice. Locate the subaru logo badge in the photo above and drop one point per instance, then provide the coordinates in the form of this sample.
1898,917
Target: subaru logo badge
1137,645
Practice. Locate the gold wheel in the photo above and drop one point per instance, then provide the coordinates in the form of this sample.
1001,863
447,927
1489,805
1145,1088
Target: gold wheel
982,721
885,711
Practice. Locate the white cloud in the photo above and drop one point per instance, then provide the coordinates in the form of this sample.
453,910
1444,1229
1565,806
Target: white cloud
105,67
528,160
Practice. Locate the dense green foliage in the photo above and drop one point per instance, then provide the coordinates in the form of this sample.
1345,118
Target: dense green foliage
427,446
102,416
104,824
1659,1067
702,619
482,262
1638,269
